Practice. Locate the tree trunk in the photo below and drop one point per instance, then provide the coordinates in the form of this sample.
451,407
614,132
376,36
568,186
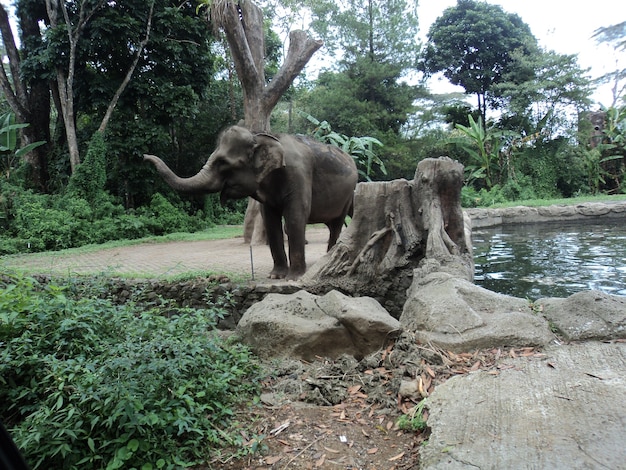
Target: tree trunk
398,227
31,105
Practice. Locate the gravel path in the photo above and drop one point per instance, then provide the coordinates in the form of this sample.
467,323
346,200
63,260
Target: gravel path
231,256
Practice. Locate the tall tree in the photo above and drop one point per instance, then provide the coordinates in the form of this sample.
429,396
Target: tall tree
74,24
366,93
385,31
28,94
472,44
544,92
615,36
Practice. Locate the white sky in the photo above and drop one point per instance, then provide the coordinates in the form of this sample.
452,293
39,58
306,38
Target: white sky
563,26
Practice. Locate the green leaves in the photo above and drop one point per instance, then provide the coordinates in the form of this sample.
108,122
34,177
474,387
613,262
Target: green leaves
9,142
86,384
484,147
360,148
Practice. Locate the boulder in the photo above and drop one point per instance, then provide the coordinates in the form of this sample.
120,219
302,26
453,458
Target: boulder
587,315
306,326
457,315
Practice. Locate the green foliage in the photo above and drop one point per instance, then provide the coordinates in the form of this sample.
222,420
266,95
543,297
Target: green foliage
413,420
484,148
364,98
471,197
381,30
10,154
40,222
87,384
593,162
546,88
89,179
360,148
165,218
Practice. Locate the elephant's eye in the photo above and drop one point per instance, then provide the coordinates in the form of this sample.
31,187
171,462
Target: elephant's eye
219,162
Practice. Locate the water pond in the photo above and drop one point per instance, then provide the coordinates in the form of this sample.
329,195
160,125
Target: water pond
551,259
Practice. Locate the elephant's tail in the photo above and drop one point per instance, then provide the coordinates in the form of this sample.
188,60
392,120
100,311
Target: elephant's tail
350,212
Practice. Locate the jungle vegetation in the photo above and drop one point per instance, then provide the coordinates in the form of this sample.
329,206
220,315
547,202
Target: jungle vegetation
89,86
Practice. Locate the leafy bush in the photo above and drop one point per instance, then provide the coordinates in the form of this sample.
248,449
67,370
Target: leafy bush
40,222
165,218
86,384
89,179
470,197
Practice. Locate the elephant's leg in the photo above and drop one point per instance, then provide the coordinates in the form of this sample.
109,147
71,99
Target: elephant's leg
296,237
275,238
334,226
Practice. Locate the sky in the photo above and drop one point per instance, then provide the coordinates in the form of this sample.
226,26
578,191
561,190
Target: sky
562,26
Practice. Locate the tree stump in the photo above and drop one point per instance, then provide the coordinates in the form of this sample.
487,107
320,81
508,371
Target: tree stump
400,229
253,225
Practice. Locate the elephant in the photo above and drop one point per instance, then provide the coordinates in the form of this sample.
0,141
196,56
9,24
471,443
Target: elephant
293,177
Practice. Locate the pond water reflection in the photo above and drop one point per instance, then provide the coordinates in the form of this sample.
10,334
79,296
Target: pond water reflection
550,259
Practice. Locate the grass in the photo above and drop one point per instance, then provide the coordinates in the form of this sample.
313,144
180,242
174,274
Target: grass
562,201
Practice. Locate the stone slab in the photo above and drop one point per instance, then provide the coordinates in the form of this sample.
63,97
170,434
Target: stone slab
587,315
566,410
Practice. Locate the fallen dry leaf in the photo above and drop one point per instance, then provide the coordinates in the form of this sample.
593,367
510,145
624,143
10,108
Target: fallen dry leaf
373,450
272,459
332,451
320,461
397,457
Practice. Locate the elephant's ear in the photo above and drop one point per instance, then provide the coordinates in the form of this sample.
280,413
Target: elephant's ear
269,155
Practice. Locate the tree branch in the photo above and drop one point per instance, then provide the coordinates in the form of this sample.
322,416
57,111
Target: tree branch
236,36
301,48
18,99
129,74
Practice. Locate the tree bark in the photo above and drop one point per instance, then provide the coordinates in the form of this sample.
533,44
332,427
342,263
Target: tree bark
400,229
243,25
30,104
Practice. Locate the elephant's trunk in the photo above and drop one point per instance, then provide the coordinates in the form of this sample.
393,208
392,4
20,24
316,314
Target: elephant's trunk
202,182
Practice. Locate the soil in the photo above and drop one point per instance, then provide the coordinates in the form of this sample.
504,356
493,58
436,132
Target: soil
347,414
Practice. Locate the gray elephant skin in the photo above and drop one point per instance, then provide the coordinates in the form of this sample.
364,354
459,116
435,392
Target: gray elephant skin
294,177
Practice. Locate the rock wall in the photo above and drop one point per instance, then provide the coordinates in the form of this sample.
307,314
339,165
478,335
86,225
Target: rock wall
557,213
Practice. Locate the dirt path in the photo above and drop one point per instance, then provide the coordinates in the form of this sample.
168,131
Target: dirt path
231,256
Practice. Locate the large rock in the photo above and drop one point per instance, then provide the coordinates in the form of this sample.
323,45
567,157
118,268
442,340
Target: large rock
587,315
306,326
457,315
563,409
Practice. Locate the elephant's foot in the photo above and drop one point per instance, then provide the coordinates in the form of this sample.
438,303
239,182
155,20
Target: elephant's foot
295,273
279,272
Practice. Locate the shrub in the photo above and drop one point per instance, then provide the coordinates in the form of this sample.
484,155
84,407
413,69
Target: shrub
89,179
164,217
86,384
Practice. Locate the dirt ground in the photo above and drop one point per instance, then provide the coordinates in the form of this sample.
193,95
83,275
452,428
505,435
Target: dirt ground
345,414
158,260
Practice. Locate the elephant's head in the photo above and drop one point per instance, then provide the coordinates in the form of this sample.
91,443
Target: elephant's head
241,161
